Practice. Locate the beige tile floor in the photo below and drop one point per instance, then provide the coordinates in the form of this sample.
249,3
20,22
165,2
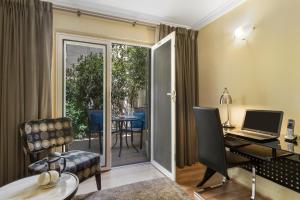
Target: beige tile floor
128,156
123,175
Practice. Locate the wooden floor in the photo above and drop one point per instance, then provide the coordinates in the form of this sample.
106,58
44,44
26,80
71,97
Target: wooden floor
188,178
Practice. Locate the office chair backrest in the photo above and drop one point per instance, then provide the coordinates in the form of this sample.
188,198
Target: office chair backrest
211,148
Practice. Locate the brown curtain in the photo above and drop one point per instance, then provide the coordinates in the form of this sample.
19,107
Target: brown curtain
186,89
25,61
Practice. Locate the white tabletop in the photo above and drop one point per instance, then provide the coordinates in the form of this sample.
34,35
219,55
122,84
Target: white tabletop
27,188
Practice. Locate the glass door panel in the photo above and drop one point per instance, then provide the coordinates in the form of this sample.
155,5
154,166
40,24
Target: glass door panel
130,85
83,99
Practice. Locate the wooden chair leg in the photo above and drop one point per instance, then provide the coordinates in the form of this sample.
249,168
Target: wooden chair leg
98,180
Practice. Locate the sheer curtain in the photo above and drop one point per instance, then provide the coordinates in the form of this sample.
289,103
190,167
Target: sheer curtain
187,94
25,62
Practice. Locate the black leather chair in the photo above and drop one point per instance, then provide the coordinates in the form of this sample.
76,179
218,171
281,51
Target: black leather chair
211,148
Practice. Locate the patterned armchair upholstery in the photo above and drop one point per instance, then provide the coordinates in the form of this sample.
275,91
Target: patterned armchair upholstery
42,135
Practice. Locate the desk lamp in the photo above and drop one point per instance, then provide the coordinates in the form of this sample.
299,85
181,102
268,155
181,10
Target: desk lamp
226,99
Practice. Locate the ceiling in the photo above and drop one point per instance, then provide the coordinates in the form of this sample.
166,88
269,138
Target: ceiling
186,13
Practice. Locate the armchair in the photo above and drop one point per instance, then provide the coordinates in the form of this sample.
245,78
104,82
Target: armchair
41,136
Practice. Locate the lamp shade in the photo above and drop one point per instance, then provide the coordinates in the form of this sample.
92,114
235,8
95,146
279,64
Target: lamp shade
225,98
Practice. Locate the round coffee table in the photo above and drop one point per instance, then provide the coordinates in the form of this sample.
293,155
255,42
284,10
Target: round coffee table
27,188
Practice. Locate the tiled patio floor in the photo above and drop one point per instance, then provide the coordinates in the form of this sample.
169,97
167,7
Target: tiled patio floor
128,156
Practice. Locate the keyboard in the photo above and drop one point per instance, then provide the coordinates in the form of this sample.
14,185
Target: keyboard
234,142
245,133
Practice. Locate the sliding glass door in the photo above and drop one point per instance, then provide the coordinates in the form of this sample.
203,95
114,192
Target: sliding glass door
85,90
95,78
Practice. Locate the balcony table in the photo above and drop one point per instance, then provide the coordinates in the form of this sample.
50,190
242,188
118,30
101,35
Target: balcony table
122,122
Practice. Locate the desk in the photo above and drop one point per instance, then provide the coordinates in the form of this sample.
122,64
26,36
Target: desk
278,144
283,167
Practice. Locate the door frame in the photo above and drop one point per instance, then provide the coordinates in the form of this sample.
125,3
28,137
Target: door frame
170,37
59,79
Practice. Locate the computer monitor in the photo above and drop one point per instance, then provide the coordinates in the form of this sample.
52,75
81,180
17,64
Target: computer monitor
263,121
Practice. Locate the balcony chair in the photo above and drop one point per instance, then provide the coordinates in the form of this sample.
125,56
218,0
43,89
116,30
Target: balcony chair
137,126
95,125
211,148
42,136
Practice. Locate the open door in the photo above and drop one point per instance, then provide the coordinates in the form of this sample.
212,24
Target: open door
163,107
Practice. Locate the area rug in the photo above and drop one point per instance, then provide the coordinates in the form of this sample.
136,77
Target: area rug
156,189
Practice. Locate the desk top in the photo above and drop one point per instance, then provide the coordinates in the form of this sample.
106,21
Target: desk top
280,144
27,188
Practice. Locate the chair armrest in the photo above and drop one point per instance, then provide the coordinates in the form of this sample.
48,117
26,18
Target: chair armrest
39,161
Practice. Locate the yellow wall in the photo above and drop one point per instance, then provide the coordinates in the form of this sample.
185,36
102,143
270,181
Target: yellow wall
70,23
262,72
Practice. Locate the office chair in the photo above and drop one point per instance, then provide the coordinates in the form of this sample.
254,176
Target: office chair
211,148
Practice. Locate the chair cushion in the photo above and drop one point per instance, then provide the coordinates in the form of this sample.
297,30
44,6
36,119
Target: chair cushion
79,160
83,164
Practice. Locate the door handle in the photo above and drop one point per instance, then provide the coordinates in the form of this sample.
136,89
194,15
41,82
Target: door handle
173,95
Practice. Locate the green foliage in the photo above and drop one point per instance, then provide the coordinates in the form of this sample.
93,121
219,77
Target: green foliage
128,74
84,89
84,83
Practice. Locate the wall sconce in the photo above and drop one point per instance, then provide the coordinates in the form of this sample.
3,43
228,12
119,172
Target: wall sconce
243,32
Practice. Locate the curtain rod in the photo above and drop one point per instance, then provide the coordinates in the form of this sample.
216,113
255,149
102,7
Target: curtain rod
95,14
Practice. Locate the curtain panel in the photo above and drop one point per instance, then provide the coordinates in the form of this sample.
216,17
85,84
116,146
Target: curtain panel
25,64
187,93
